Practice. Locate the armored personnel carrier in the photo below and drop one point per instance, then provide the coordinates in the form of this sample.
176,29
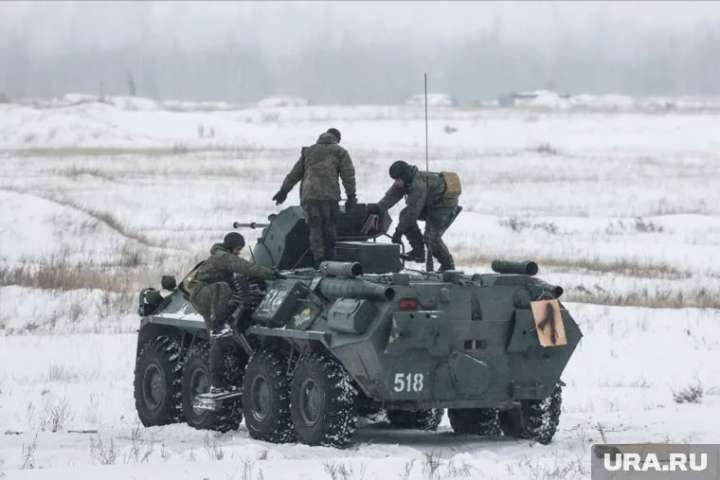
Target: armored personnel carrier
361,335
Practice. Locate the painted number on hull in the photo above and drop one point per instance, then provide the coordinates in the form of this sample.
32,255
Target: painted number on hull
409,382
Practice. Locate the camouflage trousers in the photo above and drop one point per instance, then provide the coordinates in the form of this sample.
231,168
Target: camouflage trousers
213,303
321,218
437,220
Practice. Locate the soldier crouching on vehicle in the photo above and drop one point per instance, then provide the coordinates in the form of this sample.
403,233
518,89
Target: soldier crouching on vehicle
429,196
318,169
210,294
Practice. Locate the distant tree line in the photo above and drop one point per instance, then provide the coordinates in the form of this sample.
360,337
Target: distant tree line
476,67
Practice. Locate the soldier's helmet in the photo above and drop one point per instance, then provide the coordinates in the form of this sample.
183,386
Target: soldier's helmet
399,169
334,132
233,240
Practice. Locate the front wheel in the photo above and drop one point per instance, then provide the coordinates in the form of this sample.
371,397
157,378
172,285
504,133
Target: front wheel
534,419
322,402
158,372
266,398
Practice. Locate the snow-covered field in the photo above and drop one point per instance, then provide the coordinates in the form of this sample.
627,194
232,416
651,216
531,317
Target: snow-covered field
99,199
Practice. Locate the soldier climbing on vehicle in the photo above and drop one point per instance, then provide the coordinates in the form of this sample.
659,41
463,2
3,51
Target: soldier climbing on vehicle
432,197
209,286
318,169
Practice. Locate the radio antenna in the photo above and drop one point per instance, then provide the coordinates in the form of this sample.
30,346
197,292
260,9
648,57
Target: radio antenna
427,154
429,267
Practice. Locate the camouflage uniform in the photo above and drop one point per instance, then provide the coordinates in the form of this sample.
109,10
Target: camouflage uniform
210,294
424,201
318,170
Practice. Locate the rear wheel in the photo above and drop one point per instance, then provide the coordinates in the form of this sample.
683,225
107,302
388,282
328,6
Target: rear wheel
322,406
534,419
475,421
158,374
196,380
266,398
420,420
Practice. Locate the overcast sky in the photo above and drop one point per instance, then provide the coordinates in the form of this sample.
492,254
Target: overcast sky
75,39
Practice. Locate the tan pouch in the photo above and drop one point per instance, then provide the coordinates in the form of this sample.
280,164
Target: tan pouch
453,187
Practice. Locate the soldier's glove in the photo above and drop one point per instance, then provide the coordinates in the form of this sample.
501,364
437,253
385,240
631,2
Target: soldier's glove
350,203
280,196
397,237
276,274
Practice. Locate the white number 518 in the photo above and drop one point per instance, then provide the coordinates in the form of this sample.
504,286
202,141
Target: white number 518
408,382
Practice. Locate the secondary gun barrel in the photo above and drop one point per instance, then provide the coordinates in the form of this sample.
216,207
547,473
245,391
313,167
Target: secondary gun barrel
252,225
354,288
341,269
520,268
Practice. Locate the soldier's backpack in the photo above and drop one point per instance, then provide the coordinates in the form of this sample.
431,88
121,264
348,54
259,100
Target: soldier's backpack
453,187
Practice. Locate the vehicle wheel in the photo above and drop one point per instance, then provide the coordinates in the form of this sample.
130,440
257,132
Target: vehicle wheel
266,398
322,402
420,420
534,419
158,375
196,380
475,421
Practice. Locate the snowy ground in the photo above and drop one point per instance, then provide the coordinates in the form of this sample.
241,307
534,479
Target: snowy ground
98,200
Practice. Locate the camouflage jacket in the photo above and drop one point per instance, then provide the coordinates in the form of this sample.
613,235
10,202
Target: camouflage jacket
220,267
318,168
424,192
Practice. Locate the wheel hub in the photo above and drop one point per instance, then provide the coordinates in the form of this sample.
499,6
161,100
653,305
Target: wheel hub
154,388
261,401
312,401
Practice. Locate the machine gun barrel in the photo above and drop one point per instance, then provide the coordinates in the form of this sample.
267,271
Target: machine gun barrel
341,269
354,288
252,225
520,268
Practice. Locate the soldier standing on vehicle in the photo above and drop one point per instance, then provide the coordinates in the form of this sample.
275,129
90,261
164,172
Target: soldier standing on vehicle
429,196
210,294
318,170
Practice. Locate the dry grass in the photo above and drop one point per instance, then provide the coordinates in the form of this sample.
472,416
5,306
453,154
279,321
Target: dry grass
176,149
644,297
690,394
75,172
700,297
103,452
57,274
107,218
618,267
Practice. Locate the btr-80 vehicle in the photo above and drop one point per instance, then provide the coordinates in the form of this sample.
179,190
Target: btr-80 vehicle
316,349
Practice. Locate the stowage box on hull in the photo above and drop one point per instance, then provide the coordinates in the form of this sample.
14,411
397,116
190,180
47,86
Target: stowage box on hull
374,257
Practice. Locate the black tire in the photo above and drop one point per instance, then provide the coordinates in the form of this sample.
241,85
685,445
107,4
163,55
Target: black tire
420,420
196,380
534,419
157,385
474,421
322,402
266,398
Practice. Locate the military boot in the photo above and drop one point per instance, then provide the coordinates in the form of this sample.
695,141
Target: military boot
414,255
446,266
446,263
417,253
